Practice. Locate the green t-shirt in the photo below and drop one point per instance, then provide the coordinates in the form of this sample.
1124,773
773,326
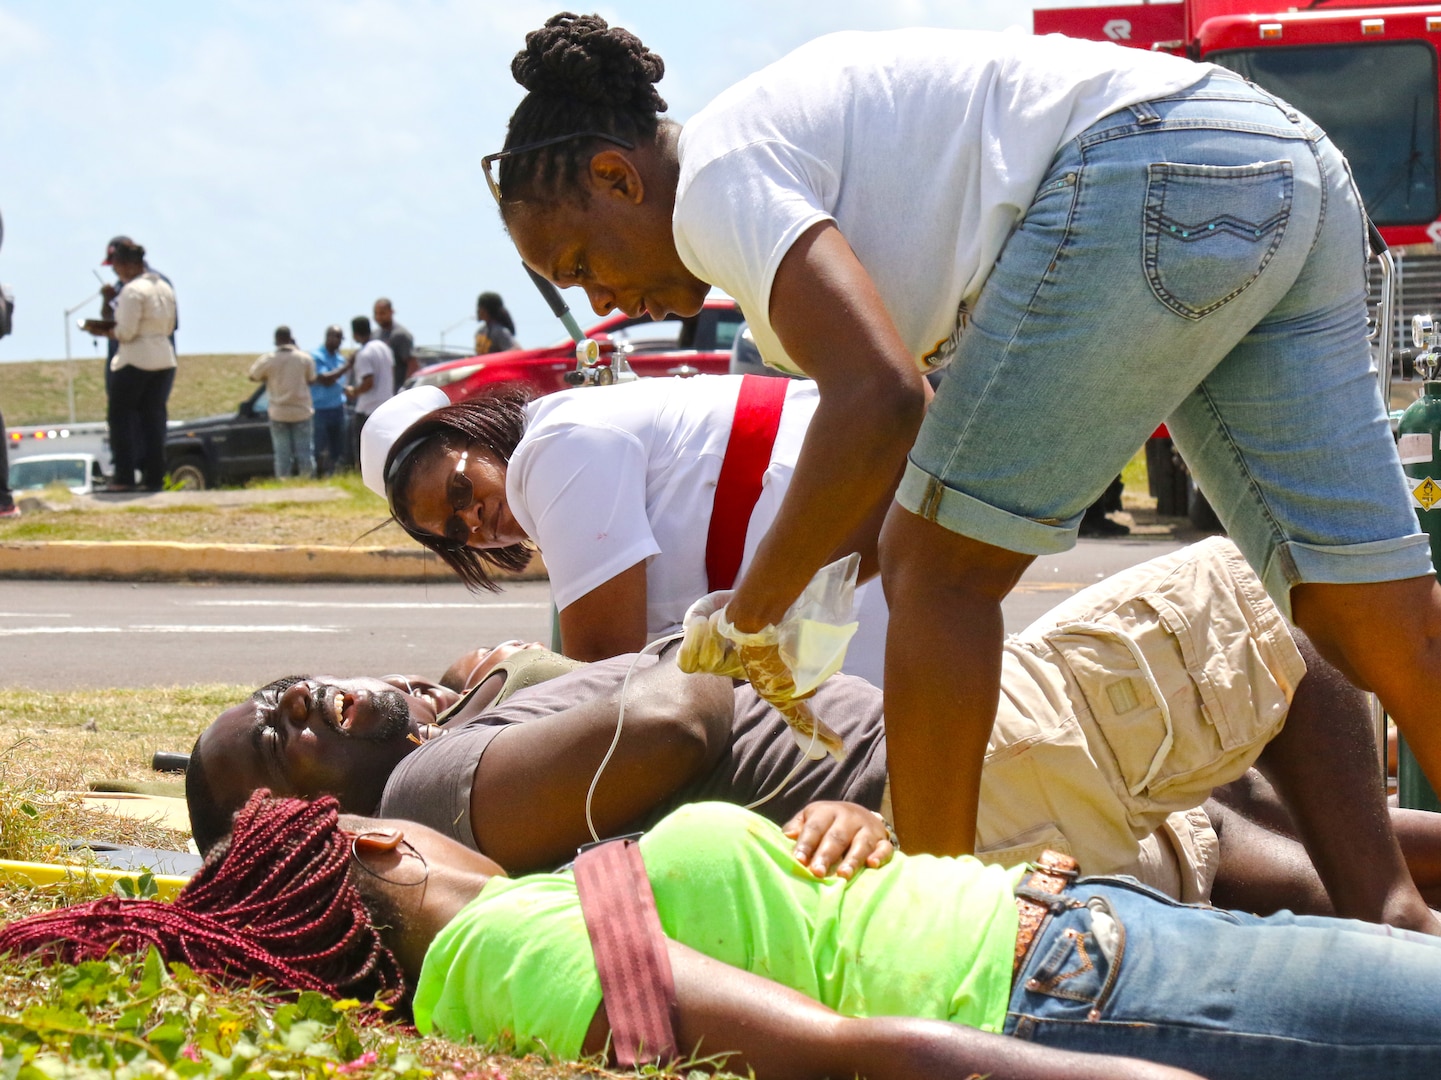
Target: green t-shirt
922,936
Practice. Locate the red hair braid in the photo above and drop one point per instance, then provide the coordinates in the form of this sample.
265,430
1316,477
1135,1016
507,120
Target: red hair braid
275,902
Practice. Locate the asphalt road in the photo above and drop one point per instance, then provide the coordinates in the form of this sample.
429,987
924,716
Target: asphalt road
57,635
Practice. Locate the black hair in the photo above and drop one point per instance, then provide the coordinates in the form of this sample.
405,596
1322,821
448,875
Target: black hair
127,255
494,306
581,75
360,324
494,422
209,820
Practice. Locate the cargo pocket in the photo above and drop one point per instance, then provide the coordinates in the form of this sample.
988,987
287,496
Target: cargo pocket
1151,716
1210,230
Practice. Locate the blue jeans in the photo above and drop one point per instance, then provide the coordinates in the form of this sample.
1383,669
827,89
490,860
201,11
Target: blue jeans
1197,259
1230,995
294,444
330,439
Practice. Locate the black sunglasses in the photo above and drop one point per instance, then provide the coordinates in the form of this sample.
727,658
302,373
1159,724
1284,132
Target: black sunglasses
490,159
460,494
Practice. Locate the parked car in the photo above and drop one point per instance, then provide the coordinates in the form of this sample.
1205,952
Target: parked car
700,344
746,358
227,449
81,473
425,355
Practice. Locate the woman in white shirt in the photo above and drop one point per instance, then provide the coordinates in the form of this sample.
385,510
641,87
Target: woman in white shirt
1100,238
617,487
142,371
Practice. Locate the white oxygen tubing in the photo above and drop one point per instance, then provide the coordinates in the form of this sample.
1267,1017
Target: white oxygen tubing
657,645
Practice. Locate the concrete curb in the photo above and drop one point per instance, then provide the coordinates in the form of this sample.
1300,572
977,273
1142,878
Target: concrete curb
165,561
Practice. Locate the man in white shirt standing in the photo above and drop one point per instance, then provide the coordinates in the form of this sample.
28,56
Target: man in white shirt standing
287,374
372,378
142,369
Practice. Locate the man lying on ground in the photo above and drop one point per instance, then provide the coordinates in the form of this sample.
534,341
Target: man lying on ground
1124,708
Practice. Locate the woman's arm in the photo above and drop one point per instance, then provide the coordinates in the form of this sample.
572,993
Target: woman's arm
608,620
831,320
759,1025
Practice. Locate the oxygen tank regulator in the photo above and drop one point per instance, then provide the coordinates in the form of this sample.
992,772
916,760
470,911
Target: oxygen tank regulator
589,369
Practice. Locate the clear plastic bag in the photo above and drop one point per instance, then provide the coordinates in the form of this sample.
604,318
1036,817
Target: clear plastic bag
784,662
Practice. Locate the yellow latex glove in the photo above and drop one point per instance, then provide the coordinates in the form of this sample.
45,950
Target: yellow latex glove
711,644
704,648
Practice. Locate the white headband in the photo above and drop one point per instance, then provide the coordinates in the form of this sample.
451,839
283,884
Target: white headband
387,424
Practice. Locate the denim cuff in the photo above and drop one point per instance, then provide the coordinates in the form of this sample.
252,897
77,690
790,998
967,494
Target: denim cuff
924,495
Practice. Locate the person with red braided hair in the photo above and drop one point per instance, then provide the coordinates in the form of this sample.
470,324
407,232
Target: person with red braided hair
274,901
916,969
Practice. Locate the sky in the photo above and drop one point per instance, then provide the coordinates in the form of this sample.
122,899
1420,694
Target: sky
288,161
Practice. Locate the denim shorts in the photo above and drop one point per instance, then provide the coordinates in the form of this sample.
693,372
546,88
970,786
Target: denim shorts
1124,970
1199,260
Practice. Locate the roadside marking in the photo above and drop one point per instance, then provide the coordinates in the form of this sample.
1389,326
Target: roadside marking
363,605
161,629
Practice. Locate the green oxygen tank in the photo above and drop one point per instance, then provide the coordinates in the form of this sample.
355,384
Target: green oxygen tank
1417,444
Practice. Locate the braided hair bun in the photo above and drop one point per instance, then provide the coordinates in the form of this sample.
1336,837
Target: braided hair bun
584,58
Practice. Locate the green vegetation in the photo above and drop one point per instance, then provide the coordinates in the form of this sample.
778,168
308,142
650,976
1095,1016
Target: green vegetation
136,1018
128,1018
350,515
34,392
1137,488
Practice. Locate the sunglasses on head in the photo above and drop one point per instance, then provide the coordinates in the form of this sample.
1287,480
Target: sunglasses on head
490,160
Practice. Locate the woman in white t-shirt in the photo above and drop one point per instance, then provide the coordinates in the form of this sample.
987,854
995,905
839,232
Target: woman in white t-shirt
615,485
1101,238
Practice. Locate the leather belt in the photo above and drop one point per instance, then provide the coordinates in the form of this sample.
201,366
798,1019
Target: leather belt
1049,876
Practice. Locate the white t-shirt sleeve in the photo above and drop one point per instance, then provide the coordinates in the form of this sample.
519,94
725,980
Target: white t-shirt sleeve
785,192
579,493
365,362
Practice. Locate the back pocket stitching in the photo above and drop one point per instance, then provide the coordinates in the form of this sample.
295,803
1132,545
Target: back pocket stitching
1159,225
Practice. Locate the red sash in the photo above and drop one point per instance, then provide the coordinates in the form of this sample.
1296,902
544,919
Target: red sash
636,982
747,456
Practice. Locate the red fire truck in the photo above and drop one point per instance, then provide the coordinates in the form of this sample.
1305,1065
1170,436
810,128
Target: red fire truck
1366,74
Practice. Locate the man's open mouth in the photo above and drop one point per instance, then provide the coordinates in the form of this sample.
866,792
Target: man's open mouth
342,709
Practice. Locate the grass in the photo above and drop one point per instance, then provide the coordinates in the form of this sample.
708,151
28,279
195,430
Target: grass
34,392
129,1018
60,740
348,519
1134,479
132,1017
